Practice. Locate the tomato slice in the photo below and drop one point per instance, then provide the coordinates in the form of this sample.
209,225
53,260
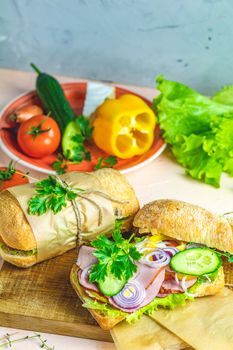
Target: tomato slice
15,180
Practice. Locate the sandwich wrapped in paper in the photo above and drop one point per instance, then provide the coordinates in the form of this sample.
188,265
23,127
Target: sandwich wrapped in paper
179,260
102,197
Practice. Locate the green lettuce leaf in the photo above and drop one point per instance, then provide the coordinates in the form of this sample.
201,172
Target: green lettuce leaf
103,307
199,130
169,302
191,154
224,96
17,252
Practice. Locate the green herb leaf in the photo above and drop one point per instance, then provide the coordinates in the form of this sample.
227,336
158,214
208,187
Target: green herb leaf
37,205
108,162
117,236
115,256
6,174
229,256
85,126
98,272
50,195
60,165
102,241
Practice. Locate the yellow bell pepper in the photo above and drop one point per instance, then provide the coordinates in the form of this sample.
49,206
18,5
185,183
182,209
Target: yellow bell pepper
124,127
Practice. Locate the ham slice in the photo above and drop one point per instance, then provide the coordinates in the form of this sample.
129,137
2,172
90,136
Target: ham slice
151,292
171,286
85,257
85,260
145,274
83,277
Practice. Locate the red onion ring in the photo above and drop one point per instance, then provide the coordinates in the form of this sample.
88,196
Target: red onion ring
177,279
183,282
141,250
131,296
160,258
171,251
183,285
163,244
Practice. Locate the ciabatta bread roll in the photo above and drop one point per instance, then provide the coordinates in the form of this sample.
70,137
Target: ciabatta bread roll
186,222
18,243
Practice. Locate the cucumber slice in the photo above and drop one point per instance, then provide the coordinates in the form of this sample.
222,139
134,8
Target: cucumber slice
111,285
196,261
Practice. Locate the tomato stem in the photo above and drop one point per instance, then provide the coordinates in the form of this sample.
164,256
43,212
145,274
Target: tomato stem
36,130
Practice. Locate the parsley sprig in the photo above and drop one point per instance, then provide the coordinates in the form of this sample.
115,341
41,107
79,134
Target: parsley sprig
115,256
108,162
60,164
50,194
6,174
85,126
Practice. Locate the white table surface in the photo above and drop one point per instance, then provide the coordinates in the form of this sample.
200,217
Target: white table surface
163,178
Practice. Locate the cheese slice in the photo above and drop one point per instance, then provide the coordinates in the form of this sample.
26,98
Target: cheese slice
205,324
96,94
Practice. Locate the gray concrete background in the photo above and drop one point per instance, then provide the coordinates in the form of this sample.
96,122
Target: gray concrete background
127,41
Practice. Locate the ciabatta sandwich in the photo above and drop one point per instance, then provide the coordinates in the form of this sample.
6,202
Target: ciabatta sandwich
177,258
22,234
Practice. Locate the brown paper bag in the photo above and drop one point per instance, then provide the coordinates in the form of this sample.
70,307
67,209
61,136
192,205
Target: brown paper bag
206,324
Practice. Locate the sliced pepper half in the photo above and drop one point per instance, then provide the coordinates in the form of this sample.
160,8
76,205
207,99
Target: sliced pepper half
124,127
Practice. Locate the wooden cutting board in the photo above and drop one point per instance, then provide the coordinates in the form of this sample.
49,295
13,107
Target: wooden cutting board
41,298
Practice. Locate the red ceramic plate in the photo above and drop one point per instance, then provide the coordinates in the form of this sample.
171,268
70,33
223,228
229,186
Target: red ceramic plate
75,93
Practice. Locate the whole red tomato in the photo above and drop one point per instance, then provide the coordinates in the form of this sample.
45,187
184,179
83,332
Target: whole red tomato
14,179
39,136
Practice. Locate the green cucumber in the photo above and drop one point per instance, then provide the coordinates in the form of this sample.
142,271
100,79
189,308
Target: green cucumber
111,285
72,142
196,261
53,99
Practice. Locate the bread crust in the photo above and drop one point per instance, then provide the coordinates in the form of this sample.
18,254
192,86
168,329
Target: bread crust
208,288
20,261
15,230
106,323
186,222
117,186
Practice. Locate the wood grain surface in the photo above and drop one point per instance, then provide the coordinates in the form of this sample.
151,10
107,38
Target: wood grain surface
42,299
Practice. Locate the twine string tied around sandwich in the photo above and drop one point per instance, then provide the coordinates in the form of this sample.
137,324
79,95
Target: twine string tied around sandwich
83,194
